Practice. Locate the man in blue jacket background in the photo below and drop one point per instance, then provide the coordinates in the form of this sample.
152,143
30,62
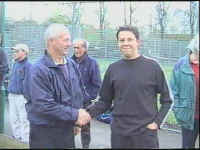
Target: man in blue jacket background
91,77
55,94
17,83
3,63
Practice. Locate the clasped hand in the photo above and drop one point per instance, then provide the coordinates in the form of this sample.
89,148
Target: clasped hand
83,117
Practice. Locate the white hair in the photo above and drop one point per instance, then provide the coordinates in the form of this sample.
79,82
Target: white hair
85,42
194,44
53,31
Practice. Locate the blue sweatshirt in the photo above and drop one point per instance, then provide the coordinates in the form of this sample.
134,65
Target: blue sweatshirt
19,74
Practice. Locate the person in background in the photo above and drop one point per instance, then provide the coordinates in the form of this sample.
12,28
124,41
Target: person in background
91,77
185,88
133,84
4,69
55,95
3,63
16,85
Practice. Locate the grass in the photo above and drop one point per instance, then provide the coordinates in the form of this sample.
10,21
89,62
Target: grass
104,63
8,143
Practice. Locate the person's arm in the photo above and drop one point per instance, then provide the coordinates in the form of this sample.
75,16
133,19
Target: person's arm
26,81
165,98
3,63
105,97
95,81
174,84
42,97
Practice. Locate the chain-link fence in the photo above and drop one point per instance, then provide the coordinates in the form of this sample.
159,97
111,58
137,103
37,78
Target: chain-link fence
103,44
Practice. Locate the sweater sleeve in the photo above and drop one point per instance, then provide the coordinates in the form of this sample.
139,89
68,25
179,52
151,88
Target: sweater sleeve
95,81
165,98
105,97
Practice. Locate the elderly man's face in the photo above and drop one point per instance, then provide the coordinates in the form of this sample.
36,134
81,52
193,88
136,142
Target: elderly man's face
19,54
79,49
62,43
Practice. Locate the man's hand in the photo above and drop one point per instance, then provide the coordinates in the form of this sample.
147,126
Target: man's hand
83,117
152,126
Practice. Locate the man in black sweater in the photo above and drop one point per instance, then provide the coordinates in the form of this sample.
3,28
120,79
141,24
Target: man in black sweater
132,84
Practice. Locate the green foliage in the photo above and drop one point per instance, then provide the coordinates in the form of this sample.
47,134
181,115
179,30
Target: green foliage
171,118
58,17
8,143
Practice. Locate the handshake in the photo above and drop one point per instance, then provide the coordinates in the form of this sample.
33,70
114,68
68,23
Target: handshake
83,117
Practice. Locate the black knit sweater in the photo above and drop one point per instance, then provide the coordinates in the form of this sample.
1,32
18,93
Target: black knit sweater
133,87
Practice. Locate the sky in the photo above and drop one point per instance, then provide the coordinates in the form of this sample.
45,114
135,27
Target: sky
39,12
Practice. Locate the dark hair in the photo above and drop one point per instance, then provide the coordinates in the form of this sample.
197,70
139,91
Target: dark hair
132,29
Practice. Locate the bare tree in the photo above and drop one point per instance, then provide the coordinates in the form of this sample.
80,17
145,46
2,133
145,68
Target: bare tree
101,15
125,20
192,16
162,19
129,11
75,8
76,16
132,10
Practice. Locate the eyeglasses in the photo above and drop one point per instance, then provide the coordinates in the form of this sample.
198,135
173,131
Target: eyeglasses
128,40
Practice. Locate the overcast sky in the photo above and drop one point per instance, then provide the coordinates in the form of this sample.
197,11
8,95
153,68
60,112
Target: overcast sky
40,12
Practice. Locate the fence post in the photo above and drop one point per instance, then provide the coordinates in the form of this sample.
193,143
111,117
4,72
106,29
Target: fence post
2,94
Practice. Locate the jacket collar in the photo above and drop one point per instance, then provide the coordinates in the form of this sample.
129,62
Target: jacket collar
83,58
187,66
22,61
49,61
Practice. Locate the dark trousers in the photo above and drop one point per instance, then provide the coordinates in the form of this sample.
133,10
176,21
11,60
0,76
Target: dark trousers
51,137
146,140
85,132
85,136
189,136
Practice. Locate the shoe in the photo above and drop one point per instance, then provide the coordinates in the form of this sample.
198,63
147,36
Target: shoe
24,142
86,147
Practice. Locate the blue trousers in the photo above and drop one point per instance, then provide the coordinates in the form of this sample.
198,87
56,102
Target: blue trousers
189,136
44,137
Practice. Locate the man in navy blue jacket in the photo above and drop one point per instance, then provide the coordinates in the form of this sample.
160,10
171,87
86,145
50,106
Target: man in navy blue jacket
3,70
3,64
56,94
17,111
90,72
